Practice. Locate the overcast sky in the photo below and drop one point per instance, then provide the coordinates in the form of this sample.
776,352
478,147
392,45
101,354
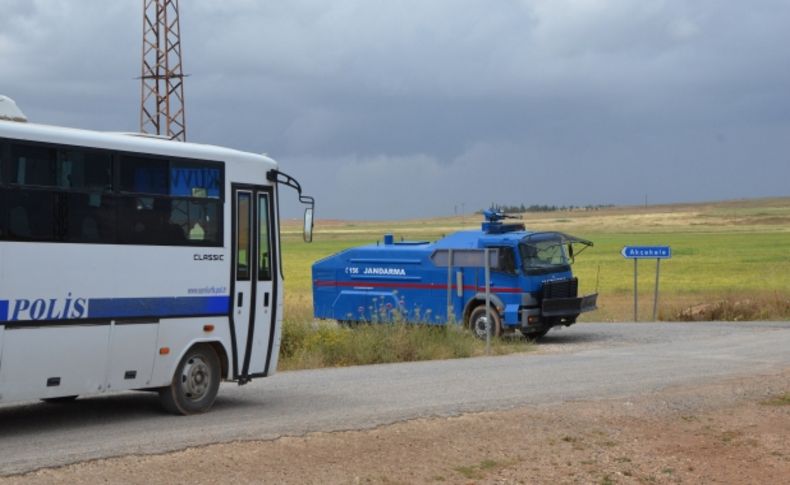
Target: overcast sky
404,108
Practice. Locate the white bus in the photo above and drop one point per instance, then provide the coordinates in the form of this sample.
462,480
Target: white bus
136,262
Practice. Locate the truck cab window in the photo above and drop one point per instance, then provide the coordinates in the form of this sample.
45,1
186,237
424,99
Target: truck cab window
507,260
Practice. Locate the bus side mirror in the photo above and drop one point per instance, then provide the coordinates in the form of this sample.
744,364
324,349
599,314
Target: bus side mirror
307,233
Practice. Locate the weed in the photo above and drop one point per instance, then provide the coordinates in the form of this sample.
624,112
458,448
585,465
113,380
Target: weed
731,308
326,344
729,436
476,472
470,472
780,400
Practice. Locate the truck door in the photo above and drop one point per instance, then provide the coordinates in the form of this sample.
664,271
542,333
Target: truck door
253,279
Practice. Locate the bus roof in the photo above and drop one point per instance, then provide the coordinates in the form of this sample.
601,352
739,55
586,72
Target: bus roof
128,142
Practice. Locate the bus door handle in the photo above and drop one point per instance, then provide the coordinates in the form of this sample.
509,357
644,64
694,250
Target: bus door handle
240,299
266,299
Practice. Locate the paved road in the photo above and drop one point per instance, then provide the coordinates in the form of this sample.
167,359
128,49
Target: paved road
587,361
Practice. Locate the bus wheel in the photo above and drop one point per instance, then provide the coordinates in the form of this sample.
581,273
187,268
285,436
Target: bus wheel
195,382
477,322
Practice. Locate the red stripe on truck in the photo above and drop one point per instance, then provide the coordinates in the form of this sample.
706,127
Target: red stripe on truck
413,286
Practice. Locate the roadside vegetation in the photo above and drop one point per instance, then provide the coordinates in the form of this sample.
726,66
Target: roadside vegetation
312,344
730,261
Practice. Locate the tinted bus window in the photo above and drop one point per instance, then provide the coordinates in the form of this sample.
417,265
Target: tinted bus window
31,215
243,236
33,165
264,259
198,219
144,175
70,195
149,220
195,179
84,170
89,218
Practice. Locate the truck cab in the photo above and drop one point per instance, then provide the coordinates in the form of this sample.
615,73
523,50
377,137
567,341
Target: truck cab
532,287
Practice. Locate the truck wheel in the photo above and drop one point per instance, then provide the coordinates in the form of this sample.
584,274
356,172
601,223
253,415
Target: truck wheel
477,322
195,382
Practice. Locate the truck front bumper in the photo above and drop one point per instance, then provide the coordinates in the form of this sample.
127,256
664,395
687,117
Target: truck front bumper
557,311
568,307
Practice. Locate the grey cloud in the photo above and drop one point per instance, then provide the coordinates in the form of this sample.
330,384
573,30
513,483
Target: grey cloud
391,109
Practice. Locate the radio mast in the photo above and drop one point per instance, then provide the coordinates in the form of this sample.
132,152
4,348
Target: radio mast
162,79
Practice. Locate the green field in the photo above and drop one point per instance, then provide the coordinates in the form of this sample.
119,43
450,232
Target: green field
735,251
730,261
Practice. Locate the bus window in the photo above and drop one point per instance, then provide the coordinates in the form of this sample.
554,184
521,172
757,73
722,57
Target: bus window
31,215
243,237
33,165
84,170
144,175
195,179
149,220
90,218
264,254
199,220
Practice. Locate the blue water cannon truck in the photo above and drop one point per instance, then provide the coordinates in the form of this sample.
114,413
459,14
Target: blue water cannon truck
531,286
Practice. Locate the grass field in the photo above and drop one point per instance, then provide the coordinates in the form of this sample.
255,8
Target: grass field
730,260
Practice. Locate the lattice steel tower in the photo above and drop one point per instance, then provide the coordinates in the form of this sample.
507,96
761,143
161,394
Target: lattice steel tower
162,100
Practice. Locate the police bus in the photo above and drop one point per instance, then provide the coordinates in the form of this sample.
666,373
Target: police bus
135,262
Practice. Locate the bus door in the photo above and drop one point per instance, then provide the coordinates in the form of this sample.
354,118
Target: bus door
254,286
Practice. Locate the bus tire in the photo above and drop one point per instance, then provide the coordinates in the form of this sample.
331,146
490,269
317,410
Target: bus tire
477,322
195,382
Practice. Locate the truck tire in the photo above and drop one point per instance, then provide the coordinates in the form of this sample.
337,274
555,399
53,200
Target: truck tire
477,322
195,382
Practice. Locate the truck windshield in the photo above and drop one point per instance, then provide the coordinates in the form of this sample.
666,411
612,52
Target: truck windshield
544,255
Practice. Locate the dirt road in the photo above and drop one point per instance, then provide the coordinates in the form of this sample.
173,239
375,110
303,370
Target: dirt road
569,419
735,431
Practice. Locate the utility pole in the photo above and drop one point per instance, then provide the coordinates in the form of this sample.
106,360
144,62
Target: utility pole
162,79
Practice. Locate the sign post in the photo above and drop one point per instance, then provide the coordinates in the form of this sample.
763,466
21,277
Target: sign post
655,295
646,252
488,300
449,283
636,292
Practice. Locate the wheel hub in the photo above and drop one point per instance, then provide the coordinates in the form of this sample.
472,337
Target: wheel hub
195,378
480,326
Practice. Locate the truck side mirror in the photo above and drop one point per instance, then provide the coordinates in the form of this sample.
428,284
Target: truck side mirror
570,253
307,233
